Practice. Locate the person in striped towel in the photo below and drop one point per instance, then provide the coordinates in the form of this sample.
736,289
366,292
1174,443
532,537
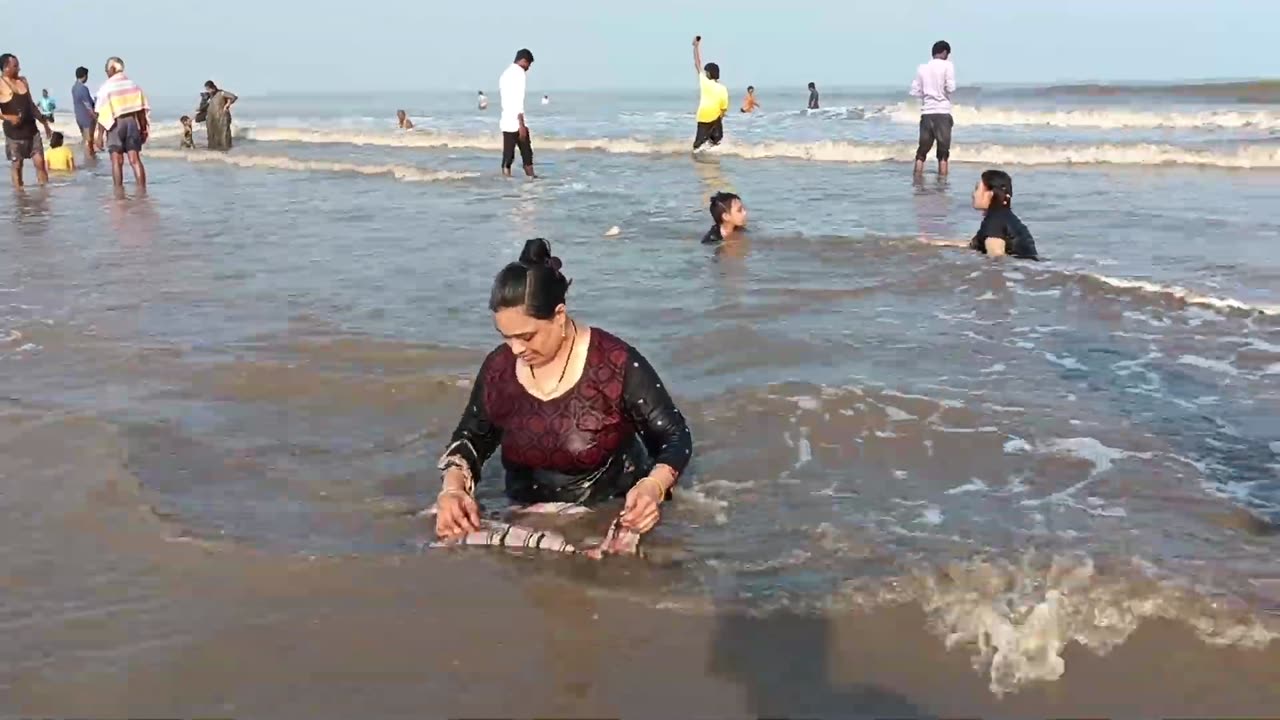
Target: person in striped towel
123,122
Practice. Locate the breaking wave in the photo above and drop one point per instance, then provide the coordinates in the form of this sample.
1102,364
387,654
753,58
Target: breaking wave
1243,157
405,173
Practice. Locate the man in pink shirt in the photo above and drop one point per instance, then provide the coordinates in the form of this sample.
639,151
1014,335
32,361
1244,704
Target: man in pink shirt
935,82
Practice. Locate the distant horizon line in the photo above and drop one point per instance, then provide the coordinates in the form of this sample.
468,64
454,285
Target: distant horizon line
978,85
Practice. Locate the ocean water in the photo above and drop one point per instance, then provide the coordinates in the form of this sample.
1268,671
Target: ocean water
269,349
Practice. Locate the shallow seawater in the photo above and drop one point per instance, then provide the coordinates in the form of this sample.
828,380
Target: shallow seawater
277,342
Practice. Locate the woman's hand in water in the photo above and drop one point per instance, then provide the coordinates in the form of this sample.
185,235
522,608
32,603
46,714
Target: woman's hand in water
641,512
456,514
456,511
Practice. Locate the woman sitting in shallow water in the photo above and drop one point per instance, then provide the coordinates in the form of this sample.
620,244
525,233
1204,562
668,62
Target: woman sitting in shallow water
1001,233
580,415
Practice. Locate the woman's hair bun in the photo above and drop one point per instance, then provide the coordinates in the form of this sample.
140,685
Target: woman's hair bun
537,251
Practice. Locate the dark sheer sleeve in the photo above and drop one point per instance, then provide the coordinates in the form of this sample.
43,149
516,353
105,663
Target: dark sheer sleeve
661,426
475,438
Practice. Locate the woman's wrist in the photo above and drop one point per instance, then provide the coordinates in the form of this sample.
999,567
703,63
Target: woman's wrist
456,477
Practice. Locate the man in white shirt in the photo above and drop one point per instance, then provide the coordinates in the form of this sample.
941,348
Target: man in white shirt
515,133
935,82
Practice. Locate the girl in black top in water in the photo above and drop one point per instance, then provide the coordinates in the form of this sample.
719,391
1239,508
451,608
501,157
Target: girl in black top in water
1002,233
577,414
729,215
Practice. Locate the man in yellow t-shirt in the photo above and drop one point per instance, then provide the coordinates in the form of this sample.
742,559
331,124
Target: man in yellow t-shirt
714,103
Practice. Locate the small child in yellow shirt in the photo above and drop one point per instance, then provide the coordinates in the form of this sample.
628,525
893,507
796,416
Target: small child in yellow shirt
59,156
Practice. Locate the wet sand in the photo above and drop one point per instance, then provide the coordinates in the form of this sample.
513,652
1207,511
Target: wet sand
139,619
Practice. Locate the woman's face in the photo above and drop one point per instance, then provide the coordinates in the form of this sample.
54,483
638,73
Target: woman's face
534,341
981,196
737,214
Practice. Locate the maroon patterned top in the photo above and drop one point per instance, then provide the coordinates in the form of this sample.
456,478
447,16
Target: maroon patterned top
584,445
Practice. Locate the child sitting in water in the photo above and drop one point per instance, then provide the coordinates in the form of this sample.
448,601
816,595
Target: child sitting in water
1001,233
729,215
188,142
59,156
403,118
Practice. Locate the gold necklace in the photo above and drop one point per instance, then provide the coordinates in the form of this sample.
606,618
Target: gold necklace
567,358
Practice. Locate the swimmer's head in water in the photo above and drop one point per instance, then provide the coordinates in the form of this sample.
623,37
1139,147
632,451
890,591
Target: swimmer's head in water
528,304
713,71
524,58
994,190
727,207
942,49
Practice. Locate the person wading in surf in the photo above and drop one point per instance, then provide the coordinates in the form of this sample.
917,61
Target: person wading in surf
511,91
714,101
935,82
580,416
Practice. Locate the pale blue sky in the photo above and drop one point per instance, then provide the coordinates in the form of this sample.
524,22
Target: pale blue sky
257,46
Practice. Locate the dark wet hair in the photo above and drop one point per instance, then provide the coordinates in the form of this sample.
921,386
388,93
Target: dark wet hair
208,85
534,282
713,71
524,54
82,73
56,140
940,47
720,204
1001,187
751,88
812,86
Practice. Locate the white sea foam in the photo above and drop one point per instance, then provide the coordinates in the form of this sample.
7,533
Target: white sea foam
1244,157
1215,365
1103,118
405,173
1190,297
1019,619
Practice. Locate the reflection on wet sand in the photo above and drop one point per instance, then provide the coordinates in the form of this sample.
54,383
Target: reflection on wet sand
133,217
31,208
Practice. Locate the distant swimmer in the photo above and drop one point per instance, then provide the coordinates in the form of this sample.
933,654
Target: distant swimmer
546,99
402,118
483,102
934,84
1001,233
714,102
749,103
729,215
813,96
511,89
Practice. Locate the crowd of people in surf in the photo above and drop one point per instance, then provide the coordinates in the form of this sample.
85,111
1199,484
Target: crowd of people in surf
1001,232
116,119
581,418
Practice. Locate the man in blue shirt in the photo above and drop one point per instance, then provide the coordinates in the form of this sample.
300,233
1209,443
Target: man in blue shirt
86,116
